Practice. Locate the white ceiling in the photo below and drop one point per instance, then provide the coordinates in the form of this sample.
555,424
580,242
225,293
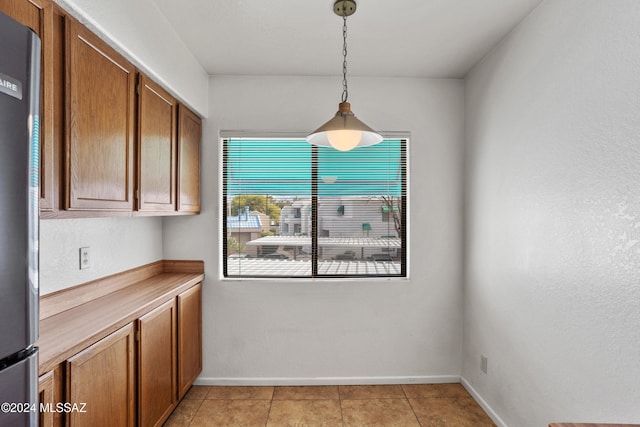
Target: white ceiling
386,38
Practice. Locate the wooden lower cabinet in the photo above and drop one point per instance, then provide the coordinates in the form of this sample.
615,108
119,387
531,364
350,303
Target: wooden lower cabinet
51,398
157,395
133,377
101,379
46,398
189,337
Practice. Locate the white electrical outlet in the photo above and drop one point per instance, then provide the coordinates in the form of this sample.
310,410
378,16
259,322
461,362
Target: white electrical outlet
483,363
85,258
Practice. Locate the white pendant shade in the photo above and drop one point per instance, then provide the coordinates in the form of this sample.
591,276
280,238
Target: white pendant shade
344,131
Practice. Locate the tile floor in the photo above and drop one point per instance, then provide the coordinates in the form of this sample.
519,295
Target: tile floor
374,405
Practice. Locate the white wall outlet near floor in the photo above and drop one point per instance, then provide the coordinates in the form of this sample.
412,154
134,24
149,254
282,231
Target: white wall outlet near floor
483,363
85,258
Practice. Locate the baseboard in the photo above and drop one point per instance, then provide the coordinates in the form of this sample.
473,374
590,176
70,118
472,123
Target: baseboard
437,379
483,404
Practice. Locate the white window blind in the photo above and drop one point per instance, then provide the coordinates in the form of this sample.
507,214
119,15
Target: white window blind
292,209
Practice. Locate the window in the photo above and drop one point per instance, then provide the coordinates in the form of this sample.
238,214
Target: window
292,209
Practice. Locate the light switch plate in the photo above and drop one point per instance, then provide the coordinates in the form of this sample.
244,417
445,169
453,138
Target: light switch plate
483,363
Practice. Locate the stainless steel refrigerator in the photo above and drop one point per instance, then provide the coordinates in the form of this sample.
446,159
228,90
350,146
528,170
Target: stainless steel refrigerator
19,197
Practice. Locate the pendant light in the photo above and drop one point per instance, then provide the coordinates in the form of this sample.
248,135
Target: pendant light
344,131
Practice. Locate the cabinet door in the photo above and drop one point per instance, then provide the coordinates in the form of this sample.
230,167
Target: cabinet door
102,377
156,148
38,15
189,337
157,365
50,393
100,124
45,398
189,135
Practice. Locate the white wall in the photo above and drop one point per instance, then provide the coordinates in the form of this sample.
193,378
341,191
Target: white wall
116,244
140,32
286,331
552,291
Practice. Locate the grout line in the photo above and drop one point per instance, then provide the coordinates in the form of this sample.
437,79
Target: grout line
410,405
341,414
269,411
194,413
414,412
340,404
404,392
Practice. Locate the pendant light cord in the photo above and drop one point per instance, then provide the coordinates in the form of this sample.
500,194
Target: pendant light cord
345,90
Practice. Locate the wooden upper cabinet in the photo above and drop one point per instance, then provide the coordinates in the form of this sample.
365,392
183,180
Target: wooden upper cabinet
99,145
157,115
100,124
189,136
39,16
27,12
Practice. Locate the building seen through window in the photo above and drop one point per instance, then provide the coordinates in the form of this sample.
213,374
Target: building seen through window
296,210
